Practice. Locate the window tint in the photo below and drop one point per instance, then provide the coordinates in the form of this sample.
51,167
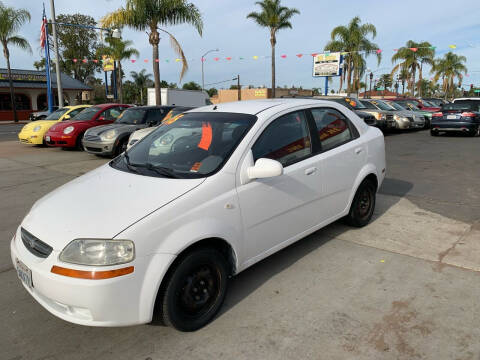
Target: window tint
368,105
75,112
155,116
111,114
286,140
332,127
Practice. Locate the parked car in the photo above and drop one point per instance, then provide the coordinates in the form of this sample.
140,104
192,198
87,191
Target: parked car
140,134
358,108
112,139
158,236
406,119
419,103
436,101
459,116
409,105
34,132
381,110
475,101
40,115
69,133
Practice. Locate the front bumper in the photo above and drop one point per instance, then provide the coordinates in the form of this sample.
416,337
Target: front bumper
60,139
121,301
31,138
99,147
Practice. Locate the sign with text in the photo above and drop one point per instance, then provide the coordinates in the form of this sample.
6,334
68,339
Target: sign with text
24,77
108,64
328,64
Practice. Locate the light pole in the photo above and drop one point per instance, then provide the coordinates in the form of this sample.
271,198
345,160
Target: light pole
203,60
57,57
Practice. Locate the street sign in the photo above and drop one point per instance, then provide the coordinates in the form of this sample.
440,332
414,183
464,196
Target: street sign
328,64
476,91
110,96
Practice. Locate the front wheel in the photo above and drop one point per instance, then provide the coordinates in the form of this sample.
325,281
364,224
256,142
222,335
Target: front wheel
363,205
121,147
193,291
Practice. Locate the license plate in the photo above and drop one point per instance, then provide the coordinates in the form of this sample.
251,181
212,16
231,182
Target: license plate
451,117
47,138
24,273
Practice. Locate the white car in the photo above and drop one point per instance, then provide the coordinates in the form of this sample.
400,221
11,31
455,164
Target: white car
156,235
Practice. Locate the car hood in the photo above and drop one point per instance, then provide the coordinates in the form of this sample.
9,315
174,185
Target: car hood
100,204
97,130
31,126
143,132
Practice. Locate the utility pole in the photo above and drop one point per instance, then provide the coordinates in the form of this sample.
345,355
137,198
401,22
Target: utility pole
238,88
57,57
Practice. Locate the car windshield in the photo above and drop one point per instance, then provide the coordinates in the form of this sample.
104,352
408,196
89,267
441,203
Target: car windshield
395,106
428,104
381,105
190,145
368,105
352,104
408,105
87,114
57,114
132,117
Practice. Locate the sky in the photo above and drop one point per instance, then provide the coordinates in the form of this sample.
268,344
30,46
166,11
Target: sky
226,27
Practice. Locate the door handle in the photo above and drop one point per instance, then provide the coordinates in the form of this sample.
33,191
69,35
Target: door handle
358,150
310,171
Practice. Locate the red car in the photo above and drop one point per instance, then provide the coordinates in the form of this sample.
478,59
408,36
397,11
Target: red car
69,133
419,103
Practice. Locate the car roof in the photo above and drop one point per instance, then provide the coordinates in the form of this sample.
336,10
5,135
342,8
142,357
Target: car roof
467,98
254,107
151,107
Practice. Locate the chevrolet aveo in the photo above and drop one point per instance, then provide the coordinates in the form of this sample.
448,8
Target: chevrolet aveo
156,233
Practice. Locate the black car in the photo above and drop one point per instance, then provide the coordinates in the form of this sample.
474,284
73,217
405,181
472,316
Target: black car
436,101
460,116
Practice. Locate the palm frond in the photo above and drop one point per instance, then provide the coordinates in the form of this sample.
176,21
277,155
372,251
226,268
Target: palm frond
179,51
20,42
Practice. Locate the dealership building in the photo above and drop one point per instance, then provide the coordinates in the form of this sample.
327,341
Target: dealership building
30,89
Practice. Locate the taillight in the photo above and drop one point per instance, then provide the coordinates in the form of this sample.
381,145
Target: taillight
437,114
468,114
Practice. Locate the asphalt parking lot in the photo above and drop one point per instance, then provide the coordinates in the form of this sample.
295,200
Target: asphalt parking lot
404,287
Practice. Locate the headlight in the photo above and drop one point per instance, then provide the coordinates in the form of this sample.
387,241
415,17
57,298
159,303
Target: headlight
98,252
68,130
37,128
380,116
108,135
167,139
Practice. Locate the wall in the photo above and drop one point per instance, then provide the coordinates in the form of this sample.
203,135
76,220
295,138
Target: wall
255,94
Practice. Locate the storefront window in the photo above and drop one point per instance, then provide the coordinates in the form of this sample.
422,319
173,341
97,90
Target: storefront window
22,102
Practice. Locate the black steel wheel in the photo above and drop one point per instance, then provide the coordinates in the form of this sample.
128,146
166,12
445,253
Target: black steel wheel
194,291
434,133
121,147
363,204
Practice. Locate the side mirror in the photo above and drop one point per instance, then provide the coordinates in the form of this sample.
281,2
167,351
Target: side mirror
101,118
67,117
265,168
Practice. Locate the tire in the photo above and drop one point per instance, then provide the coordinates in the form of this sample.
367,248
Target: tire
363,205
121,147
433,133
476,132
78,143
193,291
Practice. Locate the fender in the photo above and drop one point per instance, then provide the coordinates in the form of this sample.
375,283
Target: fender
366,170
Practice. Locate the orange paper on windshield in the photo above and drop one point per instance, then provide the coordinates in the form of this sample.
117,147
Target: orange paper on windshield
172,120
206,139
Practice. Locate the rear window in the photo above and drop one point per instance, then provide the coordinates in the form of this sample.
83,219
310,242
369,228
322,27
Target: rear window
87,114
473,105
460,106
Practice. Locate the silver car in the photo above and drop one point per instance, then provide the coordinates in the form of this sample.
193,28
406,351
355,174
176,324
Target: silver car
415,119
384,112
112,139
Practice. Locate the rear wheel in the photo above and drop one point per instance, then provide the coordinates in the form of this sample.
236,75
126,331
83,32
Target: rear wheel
433,133
475,132
78,143
193,291
363,204
121,147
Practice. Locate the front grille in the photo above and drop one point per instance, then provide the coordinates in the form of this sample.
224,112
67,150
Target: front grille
88,137
370,120
389,117
36,246
93,149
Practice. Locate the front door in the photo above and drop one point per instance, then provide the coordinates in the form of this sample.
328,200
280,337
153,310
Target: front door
275,210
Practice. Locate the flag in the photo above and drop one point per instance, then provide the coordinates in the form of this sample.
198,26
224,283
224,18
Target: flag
43,33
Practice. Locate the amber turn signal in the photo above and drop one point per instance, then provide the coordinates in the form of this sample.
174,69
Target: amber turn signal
91,275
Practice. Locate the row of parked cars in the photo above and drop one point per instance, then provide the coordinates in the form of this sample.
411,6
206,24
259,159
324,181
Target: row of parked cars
110,129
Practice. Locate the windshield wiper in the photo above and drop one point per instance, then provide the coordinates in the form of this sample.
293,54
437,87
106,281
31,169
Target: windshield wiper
162,171
127,161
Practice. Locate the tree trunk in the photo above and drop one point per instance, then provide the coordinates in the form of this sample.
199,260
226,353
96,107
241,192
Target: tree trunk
154,39
10,82
141,95
403,88
341,83
349,77
120,84
420,90
273,41
414,74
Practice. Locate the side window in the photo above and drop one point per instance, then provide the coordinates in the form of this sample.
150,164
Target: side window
115,112
154,116
286,140
332,127
75,112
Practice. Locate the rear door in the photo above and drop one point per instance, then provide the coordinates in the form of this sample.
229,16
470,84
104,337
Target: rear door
341,157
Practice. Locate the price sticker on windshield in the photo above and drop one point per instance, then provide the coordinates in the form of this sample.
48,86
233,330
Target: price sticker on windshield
172,120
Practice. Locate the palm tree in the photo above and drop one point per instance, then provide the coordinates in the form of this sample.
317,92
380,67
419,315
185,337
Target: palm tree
403,76
412,57
385,81
11,21
141,79
353,39
275,17
119,50
148,15
449,67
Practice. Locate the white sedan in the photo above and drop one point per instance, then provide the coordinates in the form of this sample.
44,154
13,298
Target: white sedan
157,234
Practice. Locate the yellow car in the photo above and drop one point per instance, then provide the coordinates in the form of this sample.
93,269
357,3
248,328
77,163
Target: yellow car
34,132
